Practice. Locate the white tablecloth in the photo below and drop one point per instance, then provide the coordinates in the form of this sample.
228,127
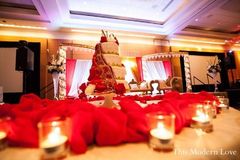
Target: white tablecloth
223,143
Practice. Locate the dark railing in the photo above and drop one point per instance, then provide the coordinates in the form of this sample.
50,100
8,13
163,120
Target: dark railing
195,78
46,89
208,75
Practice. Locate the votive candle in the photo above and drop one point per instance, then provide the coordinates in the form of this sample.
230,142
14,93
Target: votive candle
202,118
53,139
162,130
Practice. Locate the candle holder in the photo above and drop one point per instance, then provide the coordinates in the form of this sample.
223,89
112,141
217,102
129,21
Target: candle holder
223,104
3,133
162,130
202,118
212,105
53,139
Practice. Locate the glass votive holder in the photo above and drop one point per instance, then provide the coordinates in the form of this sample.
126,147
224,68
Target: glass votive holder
223,104
53,138
202,118
162,130
3,132
215,105
212,105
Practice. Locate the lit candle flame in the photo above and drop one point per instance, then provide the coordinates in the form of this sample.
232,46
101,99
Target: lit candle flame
54,136
201,117
161,132
3,135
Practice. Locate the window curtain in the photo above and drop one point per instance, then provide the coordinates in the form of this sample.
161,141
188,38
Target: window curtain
139,67
129,74
154,70
168,68
134,72
70,67
77,73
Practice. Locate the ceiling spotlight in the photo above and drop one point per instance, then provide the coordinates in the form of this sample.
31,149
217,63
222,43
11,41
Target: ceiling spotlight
196,19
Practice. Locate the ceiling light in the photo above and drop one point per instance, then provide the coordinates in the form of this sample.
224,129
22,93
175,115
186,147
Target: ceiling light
177,44
21,26
118,34
124,25
197,41
196,19
85,31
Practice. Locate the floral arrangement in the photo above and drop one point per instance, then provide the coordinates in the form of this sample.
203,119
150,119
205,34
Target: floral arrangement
214,68
120,88
108,37
56,64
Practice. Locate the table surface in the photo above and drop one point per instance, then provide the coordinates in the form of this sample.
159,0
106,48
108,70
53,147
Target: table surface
191,144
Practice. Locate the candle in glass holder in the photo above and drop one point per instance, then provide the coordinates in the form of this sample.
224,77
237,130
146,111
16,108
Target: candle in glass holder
215,104
3,135
212,105
202,118
3,132
224,104
3,140
161,131
53,139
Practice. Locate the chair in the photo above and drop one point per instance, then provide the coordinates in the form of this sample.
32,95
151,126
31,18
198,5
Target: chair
176,84
133,85
143,85
155,87
141,88
164,87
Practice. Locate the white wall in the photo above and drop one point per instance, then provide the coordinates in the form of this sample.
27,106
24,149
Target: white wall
198,68
11,80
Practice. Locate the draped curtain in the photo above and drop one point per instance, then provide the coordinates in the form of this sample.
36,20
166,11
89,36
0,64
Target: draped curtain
139,67
130,73
168,68
70,67
135,75
77,72
155,70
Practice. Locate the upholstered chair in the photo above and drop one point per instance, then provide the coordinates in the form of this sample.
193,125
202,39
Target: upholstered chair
155,87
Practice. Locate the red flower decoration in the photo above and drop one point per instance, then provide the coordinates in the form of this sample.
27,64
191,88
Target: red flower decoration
105,69
83,87
120,88
109,76
101,87
103,39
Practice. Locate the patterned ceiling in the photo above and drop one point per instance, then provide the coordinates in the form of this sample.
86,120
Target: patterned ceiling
207,18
